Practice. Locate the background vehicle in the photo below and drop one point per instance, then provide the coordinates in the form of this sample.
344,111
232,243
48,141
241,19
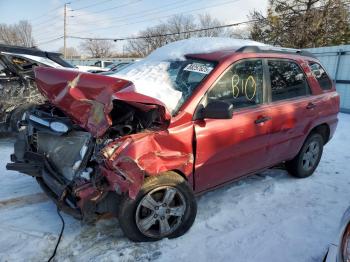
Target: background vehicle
339,250
17,86
115,67
99,66
143,149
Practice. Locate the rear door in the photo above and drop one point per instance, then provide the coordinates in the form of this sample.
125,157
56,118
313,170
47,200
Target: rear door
229,148
292,108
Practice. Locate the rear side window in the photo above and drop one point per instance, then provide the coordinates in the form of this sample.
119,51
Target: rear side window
287,80
320,75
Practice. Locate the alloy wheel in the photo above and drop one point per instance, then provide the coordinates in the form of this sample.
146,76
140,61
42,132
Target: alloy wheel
311,155
160,212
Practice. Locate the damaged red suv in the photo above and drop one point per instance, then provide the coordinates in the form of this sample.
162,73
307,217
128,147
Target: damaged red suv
103,145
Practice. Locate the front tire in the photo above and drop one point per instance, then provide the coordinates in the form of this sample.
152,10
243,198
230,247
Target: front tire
305,163
164,207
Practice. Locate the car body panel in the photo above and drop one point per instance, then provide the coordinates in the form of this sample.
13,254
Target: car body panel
227,148
207,152
274,141
335,252
88,98
150,154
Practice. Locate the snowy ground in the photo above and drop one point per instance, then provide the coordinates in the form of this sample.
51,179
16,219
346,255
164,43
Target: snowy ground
267,217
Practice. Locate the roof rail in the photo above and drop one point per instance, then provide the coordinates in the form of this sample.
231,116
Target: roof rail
274,49
25,50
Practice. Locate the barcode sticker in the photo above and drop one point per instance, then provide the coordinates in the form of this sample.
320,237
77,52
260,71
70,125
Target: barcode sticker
199,68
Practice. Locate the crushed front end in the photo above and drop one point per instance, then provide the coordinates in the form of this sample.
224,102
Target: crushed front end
62,157
95,141
79,172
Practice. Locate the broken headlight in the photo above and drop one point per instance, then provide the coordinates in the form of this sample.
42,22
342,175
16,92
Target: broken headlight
55,126
59,127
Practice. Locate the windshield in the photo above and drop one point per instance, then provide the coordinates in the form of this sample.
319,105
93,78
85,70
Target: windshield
111,65
171,82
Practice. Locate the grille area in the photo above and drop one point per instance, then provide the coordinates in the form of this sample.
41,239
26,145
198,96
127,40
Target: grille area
66,153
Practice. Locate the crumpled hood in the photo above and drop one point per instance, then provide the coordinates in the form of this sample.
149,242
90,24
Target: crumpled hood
88,98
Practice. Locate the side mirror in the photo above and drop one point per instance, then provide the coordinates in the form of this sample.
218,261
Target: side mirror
218,110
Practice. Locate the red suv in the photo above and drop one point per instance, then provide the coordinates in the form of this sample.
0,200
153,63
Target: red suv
99,146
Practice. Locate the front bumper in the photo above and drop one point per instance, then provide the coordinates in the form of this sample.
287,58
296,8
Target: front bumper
37,166
79,197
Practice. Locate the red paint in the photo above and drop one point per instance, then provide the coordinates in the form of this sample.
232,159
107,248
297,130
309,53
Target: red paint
87,98
208,152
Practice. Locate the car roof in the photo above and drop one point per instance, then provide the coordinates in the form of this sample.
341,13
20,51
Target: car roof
25,50
20,50
223,54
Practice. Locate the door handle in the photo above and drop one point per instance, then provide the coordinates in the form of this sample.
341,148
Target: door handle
262,119
310,106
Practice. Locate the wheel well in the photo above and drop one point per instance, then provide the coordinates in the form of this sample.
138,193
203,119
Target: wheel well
323,130
180,174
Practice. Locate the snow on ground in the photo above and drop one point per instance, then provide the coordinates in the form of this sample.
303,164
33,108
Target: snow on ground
266,217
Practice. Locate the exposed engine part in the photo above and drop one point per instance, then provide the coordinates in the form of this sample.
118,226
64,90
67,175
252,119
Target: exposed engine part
72,151
129,120
66,153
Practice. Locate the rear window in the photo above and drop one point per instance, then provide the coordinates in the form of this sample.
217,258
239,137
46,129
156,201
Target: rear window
287,80
321,76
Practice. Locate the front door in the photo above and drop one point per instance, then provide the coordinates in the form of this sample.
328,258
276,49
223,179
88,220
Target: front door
229,148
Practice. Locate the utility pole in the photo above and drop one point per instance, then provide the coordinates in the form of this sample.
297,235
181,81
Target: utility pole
65,31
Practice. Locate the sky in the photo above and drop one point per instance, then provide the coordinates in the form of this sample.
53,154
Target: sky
113,18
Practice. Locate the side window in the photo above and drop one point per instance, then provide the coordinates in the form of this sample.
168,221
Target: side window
23,63
241,85
2,71
287,80
321,76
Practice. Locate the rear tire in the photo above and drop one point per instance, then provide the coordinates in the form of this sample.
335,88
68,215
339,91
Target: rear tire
152,215
308,158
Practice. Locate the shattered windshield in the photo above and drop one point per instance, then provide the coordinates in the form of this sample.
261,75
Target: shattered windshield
171,82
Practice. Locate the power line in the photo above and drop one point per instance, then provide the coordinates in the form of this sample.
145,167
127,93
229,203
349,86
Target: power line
50,41
147,20
168,34
144,13
51,10
49,31
87,6
46,13
111,8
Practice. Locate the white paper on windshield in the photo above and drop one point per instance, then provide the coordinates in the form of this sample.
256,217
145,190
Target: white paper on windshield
198,68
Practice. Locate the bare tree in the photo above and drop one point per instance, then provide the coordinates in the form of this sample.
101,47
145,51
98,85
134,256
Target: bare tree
207,21
303,23
17,34
97,48
176,28
180,23
148,42
70,52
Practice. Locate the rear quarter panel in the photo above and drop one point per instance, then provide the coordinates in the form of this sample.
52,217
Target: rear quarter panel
327,103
